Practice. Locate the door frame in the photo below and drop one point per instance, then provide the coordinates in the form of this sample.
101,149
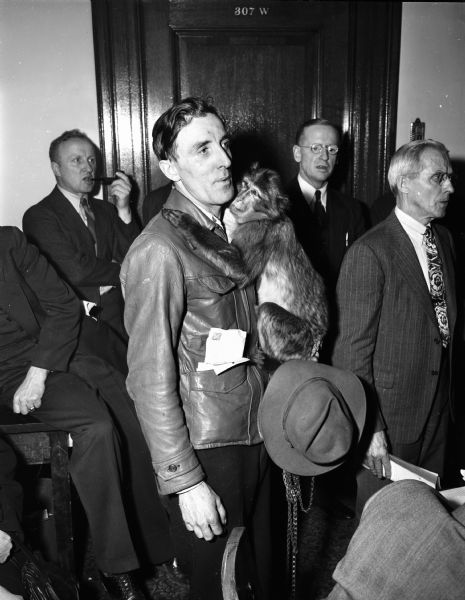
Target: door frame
127,32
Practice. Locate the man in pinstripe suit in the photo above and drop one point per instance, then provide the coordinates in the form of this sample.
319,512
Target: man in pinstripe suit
389,333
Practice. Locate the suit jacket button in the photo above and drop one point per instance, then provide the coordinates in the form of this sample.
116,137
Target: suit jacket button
437,341
173,468
434,372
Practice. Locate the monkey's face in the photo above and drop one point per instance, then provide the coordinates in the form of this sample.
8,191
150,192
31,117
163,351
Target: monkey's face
260,196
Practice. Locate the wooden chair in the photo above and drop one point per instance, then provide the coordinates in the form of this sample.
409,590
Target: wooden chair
36,444
237,569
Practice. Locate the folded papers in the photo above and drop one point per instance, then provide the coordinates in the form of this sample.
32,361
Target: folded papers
224,349
401,469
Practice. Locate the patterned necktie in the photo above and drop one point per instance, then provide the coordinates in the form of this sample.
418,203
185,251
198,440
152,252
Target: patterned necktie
436,279
89,218
318,209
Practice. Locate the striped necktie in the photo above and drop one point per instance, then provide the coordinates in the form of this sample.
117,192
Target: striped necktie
89,218
437,290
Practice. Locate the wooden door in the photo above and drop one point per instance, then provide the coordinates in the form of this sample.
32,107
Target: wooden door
266,65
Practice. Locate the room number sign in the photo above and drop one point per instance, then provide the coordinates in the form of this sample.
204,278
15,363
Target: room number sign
248,11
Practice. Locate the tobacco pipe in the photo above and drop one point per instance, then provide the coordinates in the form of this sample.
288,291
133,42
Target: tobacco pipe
104,180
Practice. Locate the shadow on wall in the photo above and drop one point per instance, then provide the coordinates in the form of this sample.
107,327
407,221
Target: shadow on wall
248,147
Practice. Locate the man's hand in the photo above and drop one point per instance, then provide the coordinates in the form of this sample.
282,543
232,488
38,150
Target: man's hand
377,456
120,190
29,394
5,546
202,511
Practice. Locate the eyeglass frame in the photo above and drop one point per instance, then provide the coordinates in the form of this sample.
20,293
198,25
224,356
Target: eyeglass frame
322,147
442,177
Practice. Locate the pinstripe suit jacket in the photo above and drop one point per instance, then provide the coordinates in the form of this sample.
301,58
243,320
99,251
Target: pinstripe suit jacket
388,333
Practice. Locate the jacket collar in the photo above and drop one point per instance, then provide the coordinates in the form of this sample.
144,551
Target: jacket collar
178,201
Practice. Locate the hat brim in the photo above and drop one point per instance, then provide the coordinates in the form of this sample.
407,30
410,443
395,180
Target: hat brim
286,379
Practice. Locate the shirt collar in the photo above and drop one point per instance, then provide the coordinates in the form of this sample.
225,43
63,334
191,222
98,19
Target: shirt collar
410,224
308,190
75,199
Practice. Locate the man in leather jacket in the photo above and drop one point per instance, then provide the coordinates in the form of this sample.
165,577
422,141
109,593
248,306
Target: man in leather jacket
201,428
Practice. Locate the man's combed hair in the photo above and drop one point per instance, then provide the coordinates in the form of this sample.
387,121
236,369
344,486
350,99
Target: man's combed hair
311,122
407,160
64,137
167,127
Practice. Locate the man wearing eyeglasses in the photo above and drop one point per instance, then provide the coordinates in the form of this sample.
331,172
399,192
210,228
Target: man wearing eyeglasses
397,311
326,221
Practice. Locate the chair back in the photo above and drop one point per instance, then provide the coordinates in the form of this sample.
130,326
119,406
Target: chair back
238,577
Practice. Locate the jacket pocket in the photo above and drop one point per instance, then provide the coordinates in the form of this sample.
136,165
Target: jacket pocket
218,407
217,284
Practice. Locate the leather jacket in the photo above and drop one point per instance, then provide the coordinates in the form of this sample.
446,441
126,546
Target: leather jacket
173,298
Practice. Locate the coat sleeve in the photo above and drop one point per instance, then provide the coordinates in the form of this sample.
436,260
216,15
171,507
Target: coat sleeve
359,297
123,234
60,309
153,286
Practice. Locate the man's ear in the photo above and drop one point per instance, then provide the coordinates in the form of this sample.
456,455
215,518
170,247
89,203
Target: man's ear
297,153
402,184
168,168
56,169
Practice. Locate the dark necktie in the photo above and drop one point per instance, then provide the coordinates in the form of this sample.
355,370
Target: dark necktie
89,217
437,291
220,232
318,209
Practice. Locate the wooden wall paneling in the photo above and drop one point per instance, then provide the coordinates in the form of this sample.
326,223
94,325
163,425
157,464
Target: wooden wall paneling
159,75
120,89
375,40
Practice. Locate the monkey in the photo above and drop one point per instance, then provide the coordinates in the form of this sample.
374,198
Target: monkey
292,316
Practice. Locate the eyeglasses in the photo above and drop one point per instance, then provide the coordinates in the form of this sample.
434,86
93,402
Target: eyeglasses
318,148
442,177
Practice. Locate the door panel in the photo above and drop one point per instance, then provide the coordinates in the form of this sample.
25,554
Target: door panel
274,65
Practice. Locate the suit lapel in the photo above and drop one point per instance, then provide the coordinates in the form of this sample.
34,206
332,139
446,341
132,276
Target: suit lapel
70,219
408,266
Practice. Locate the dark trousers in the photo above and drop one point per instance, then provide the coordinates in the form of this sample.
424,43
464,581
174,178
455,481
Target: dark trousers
429,451
110,464
240,476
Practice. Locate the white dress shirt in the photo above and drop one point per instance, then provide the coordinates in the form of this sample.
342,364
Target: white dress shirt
308,191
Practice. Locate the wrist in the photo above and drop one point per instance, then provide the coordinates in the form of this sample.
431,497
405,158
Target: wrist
125,214
190,488
38,372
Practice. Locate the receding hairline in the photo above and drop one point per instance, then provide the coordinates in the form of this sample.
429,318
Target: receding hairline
320,124
67,136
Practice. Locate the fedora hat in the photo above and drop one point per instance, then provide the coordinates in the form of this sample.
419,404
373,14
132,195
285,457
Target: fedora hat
311,416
